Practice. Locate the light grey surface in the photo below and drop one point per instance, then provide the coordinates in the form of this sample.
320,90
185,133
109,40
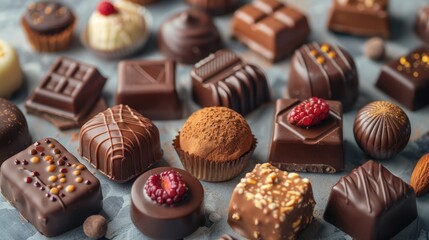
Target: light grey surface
217,195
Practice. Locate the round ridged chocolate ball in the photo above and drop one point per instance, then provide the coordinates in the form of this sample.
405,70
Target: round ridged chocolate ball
382,129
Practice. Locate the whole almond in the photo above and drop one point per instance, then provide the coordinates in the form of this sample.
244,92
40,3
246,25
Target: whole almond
420,177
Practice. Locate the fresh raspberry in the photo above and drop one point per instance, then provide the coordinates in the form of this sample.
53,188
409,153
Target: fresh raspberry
106,8
166,188
308,113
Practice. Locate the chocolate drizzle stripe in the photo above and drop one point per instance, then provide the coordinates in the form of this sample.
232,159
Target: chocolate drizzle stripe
302,60
342,56
336,65
320,67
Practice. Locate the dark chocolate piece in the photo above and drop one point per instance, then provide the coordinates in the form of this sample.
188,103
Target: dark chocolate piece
167,222
150,88
215,7
381,203
271,204
48,186
69,90
14,134
315,149
223,79
382,129
406,79
325,71
360,17
270,28
48,17
189,36
422,24
120,143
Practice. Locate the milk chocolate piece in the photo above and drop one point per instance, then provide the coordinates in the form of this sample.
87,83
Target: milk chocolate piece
150,88
223,79
271,204
360,17
69,90
406,79
382,203
50,187
162,221
314,149
270,28
422,24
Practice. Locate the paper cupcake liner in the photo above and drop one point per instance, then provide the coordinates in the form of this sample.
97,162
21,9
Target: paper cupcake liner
211,171
49,42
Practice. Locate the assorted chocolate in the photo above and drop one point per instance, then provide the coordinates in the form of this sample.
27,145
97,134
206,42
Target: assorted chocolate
50,188
382,203
223,79
270,28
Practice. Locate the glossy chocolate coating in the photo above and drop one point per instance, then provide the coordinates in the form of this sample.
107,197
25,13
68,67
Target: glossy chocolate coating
31,182
270,28
360,17
382,129
223,79
120,143
315,149
381,203
422,24
189,36
48,17
325,71
167,222
216,7
14,134
150,88
406,79
69,90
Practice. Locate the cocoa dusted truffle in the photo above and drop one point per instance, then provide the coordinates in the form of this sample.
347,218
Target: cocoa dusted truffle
382,129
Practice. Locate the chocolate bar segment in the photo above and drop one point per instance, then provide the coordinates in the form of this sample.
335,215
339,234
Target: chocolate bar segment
223,79
50,187
382,203
406,79
360,17
270,28
150,88
314,149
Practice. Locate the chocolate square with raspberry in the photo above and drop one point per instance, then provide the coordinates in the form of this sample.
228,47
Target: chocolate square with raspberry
316,148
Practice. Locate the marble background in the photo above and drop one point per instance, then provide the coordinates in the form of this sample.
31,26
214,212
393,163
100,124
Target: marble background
117,197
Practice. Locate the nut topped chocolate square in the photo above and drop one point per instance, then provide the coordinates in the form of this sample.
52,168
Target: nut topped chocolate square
269,203
50,187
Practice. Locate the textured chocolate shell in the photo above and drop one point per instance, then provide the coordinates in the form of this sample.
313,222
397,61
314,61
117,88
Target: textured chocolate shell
382,129
216,7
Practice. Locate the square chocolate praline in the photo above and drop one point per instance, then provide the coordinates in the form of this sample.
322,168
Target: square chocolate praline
150,88
381,203
315,149
406,79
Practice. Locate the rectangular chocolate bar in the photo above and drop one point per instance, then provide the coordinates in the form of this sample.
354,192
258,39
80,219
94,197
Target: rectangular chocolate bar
406,79
50,188
366,18
371,203
150,88
314,149
270,28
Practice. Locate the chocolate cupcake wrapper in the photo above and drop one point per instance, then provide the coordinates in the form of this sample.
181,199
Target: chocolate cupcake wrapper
212,171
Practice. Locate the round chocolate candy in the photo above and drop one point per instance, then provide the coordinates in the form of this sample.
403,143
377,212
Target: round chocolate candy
382,129
47,17
215,7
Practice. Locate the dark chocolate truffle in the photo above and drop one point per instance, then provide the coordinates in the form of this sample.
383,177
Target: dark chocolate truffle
189,36
95,226
324,71
422,24
382,129
216,7
14,134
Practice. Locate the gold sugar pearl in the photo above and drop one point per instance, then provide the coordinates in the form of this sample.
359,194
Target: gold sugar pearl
63,180
399,67
51,145
415,74
407,64
35,159
79,179
52,178
313,52
47,158
324,48
50,168
321,60
416,56
73,165
402,60
425,58
332,54
80,167
60,187
48,10
54,191
61,175
70,188
76,172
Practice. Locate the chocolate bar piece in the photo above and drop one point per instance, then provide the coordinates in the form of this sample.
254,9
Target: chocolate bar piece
406,79
360,17
382,203
271,204
150,88
314,149
223,79
422,24
50,187
69,90
270,28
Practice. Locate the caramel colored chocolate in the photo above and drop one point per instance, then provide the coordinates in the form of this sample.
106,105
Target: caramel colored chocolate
422,24
50,188
270,28
271,204
360,17
371,203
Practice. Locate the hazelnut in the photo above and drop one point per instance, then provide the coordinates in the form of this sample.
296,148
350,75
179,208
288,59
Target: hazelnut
95,226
